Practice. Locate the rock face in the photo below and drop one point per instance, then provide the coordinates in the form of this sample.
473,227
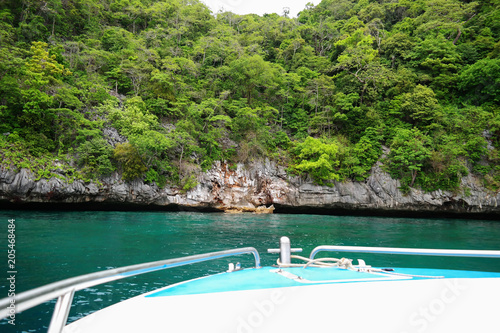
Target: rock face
246,188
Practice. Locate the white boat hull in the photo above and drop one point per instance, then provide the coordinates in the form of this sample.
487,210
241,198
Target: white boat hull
395,305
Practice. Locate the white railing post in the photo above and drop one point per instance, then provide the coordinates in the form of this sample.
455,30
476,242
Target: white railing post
61,312
285,251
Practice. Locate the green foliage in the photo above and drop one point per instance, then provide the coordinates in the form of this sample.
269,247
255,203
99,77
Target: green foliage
95,156
252,72
187,87
420,108
409,152
16,156
152,146
365,154
280,141
115,39
133,119
481,81
188,183
152,176
318,159
41,62
130,161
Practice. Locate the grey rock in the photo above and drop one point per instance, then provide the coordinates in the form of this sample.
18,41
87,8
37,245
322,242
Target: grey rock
257,184
42,188
112,136
6,176
23,182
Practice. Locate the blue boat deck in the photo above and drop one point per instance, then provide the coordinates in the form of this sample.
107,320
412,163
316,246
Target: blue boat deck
272,277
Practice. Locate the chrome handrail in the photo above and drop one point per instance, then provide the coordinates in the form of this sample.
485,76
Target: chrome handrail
410,251
65,289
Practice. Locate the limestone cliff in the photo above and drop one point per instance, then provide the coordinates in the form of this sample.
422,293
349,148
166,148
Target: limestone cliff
260,184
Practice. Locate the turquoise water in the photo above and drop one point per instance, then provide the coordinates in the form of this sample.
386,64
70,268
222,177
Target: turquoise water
52,246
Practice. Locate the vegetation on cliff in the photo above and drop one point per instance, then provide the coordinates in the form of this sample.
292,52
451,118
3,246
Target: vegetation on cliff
160,89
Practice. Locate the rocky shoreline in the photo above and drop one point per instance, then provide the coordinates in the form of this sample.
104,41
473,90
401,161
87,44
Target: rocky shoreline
250,188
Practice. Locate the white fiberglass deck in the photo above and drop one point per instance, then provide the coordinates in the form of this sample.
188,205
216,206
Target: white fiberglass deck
310,300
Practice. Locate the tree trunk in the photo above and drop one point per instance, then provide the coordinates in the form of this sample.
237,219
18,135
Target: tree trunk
413,177
249,96
458,36
180,164
317,99
460,31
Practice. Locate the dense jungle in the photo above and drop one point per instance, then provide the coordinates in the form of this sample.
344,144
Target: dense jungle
161,89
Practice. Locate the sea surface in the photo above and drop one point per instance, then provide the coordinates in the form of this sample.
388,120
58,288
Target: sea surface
51,246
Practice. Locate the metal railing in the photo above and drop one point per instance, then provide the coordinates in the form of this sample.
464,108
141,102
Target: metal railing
396,250
65,289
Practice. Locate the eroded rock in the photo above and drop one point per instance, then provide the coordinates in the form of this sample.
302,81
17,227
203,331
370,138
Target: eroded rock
252,188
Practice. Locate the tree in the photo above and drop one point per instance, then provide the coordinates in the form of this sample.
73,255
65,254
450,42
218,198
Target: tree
318,159
359,59
365,153
115,39
323,37
397,48
130,159
409,151
289,48
152,146
251,72
95,155
358,52
446,17
138,73
421,107
481,81
134,119
440,62
185,145
320,92
42,74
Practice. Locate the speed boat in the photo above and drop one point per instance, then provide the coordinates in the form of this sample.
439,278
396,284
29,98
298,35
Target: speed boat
298,294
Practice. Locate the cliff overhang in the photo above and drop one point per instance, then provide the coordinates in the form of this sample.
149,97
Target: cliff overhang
250,188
